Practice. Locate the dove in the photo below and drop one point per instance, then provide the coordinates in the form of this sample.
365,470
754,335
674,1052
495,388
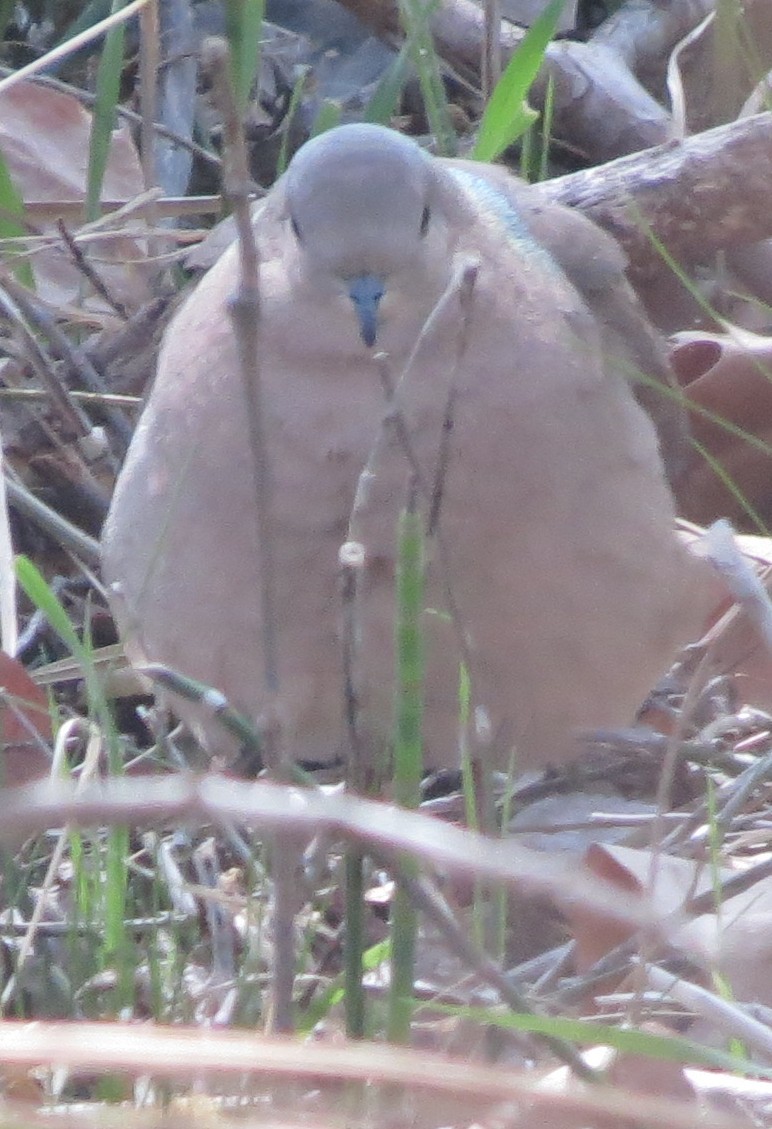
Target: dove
415,339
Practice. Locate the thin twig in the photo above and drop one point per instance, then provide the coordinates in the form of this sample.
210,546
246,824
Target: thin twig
428,899
188,1053
378,827
730,797
46,324
70,46
699,680
351,558
244,311
149,62
460,288
721,550
15,305
617,961
491,53
61,530
58,766
89,271
95,399
430,487
730,1019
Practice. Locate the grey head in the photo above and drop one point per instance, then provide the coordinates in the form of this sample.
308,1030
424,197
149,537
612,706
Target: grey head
360,200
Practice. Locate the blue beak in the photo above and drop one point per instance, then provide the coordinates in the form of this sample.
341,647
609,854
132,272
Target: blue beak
366,292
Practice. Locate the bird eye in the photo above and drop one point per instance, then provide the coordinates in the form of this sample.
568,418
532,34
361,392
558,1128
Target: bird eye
426,215
296,229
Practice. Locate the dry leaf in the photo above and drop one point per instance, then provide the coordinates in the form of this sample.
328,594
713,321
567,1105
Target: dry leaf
727,378
44,140
25,724
628,867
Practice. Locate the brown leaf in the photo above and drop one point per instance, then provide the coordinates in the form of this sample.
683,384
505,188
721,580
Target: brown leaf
729,388
676,880
24,717
44,140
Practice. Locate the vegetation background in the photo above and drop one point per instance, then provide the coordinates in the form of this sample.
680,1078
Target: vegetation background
138,899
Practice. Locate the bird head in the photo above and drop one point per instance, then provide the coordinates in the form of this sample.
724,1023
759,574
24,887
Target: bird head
361,201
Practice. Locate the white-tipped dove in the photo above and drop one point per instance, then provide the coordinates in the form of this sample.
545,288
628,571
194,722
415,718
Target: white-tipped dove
555,532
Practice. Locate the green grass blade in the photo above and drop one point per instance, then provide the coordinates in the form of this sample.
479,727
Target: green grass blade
108,85
584,1032
415,20
469,792
753,441
728,61
7,9
507,115
108,895
404,930
244,27
671,262
43,597
528,155
91,14
335,994
327,117
298,90
408,758
385,99
354,998
464,723
12,224
726,479
546,131
408,752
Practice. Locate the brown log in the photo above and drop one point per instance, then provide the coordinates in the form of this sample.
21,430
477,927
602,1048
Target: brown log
706,194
